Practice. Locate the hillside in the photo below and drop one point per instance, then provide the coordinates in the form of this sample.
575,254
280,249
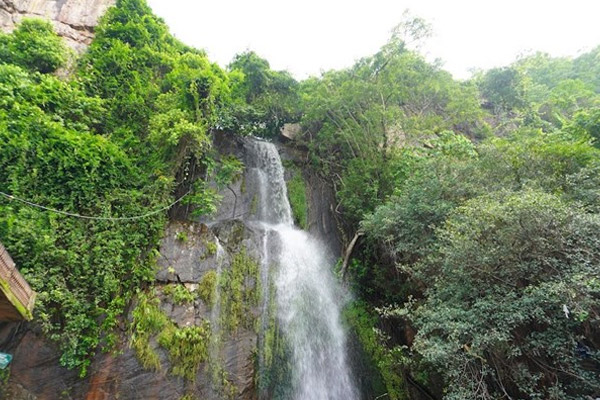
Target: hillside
168,265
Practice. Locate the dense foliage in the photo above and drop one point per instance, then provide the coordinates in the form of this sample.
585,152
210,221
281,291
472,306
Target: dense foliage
359,119
478,202
33,46
107,142
492,252
475,204
512,304
270,97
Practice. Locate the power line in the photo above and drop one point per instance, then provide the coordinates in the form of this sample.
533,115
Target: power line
32,204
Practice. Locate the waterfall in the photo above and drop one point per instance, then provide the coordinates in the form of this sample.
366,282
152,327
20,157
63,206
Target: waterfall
308,297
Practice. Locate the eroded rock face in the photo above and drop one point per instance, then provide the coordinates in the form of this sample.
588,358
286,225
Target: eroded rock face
189,251
73,19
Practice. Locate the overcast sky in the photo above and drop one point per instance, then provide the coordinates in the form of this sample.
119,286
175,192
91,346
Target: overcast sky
309,36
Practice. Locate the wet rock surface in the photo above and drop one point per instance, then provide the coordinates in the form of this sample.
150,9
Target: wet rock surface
185,253
320,196
321,212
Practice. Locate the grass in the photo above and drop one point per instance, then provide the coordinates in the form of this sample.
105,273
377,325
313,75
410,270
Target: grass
187,348
182,237
211,248
148,320
363,322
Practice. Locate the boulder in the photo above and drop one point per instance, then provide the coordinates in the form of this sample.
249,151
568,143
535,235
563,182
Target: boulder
291,131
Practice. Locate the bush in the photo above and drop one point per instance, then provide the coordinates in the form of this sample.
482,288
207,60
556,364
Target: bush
34,45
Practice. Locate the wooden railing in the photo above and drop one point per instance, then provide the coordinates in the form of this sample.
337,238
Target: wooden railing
18,287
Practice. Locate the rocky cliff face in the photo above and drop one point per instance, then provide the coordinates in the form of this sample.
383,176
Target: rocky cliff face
73,19
188,254
228,246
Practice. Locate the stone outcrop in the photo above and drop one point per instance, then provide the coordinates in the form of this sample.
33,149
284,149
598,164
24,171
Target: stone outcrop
73,19
291,131
189,251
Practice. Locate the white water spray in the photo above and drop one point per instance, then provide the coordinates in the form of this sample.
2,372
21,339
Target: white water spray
308,298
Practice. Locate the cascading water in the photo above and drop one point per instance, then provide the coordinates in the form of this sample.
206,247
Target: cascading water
308,298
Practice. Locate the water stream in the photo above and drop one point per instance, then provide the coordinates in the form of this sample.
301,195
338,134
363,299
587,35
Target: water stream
308,297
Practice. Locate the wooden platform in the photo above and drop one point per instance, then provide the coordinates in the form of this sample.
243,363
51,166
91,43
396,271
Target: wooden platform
16,297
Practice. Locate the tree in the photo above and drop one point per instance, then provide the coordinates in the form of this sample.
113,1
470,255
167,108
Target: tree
502,89
587,122
257,73
271,97
511,304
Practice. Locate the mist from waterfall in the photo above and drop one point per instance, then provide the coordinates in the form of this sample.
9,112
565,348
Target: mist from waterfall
308,297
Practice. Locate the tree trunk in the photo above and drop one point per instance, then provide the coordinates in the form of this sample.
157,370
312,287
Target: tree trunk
348,253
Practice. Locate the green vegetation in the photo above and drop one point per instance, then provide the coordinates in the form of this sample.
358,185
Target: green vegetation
148,321
297,196
383,359
270,98
509,262
269,348
33,46
211,248
208,286
230,170
273,366
182,236
477,238
360,119
221,382
187,347
477,203
138,108
240,292
254,205
179,293
4,376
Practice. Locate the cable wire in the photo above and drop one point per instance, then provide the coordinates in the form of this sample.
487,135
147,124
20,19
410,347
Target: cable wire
88,217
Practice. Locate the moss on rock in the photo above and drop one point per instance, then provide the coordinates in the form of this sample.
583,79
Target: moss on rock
240,286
